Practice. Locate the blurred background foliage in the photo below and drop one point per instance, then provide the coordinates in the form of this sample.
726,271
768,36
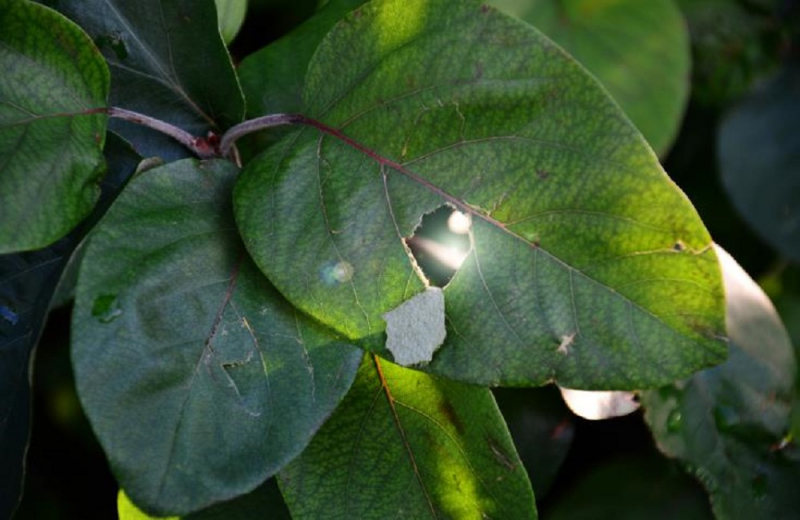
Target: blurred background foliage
734,150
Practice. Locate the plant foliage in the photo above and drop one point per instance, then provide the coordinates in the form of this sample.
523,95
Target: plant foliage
229,327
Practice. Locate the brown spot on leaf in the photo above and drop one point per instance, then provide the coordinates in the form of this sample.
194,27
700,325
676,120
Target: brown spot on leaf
500,454
448,411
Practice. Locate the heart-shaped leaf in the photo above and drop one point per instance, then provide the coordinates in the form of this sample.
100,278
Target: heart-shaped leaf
404,444
730,423
588,266
198,379
638,50
53,89
168,61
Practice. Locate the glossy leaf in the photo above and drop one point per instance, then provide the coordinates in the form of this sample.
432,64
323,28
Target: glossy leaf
53,83
263,502
638,50
198,379
28,282
759,158
404,444
588,265
167,61
729,424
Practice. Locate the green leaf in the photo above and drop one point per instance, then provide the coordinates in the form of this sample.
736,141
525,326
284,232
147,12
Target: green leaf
230,16
263,502
28,289
759,158
729,423
168,61
199,380
404,444
633,489
272,78
588,265
638,50
53,85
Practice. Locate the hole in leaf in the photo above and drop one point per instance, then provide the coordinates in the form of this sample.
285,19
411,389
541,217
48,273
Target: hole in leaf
441,243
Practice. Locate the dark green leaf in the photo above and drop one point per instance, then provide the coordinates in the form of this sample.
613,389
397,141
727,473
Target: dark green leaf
272,78
588,265
198,379
168,61
542,428
404,444
27,284
53,82
759,158
263,502
730,423
638,50
633,489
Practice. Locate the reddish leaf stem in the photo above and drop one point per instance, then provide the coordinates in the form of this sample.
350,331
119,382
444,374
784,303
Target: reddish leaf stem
203,147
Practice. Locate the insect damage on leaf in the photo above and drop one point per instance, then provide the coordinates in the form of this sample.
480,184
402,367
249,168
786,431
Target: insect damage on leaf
440,244
415,329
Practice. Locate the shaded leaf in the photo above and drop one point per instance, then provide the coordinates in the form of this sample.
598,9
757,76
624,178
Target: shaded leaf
404,444
729,423
52,86
633,489
168,61
576,231
759,158
198,379
263,502
273,77
638,50
542,429
28,282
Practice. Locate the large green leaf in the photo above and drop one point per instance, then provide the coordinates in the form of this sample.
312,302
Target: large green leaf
198,379
638,50
759,159
53,82
168,61
730,423
588,265
404,444
28,282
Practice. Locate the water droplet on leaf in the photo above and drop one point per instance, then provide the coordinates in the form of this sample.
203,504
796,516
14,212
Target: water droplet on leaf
106,308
